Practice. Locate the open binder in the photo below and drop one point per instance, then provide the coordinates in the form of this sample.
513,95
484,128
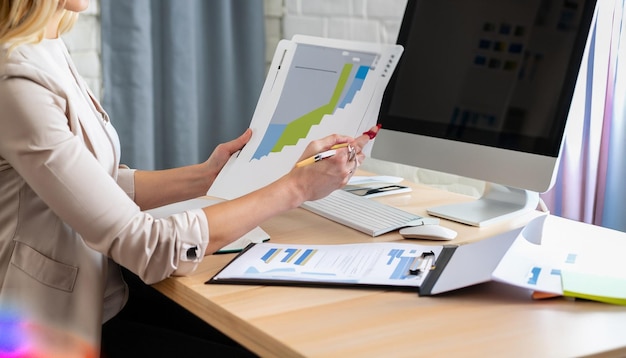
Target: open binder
466,265
427,269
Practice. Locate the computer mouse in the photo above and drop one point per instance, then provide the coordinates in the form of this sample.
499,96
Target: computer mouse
428,232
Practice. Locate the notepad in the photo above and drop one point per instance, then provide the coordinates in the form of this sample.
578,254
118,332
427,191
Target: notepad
608,289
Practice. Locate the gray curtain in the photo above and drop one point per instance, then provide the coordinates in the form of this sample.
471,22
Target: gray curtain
180,76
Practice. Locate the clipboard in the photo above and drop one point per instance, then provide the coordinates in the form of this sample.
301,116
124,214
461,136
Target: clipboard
466,265
424,269
364,265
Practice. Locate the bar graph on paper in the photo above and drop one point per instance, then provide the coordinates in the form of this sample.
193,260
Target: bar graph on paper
312,91
288,126
347,266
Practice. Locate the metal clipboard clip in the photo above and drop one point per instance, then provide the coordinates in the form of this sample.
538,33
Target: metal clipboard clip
422,263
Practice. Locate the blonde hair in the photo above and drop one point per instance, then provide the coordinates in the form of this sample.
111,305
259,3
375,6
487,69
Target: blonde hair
25,21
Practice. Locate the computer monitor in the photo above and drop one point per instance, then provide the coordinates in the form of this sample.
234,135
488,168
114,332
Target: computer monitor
483,90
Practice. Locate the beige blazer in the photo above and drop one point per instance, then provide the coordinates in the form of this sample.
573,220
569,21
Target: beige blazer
67,218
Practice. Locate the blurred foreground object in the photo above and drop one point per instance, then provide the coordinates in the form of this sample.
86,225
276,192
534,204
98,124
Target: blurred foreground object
21,338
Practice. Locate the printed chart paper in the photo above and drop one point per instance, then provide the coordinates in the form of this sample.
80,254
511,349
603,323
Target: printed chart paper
315,87
385,264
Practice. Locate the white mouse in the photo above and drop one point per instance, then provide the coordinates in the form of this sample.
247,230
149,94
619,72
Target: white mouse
428,232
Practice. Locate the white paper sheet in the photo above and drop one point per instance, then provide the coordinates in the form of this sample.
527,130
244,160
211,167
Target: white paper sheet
367,264
549,246
315,87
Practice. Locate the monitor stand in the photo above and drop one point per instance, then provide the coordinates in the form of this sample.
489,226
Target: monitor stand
498,203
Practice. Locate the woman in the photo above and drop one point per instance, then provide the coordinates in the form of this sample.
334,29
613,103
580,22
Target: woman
70,215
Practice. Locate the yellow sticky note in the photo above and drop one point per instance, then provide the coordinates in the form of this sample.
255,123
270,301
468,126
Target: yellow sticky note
594,287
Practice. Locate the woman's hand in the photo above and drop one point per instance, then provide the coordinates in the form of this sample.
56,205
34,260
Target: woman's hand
302,183
223,152
319,179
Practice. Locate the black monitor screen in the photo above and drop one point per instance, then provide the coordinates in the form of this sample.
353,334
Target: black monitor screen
499,73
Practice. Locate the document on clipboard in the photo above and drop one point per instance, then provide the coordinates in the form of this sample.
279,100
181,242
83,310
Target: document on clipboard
386,265
314,87
427,269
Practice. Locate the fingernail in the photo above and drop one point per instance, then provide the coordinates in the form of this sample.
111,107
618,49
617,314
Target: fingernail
370,133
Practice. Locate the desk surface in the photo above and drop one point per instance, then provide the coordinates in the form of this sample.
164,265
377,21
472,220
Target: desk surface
484,320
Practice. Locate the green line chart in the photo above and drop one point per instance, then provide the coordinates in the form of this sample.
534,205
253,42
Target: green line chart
318,90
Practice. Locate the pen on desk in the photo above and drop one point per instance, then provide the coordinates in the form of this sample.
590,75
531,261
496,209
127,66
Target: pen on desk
316,158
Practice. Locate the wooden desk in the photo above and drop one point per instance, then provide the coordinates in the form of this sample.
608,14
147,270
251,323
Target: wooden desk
491,319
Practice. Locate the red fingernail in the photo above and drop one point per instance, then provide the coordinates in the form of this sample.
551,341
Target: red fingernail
370,133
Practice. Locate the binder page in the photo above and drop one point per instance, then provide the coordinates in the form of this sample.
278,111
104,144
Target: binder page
561,256
315,87
387,264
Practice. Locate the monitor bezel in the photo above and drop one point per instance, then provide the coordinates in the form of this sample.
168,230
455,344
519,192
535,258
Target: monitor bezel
548,145
531,166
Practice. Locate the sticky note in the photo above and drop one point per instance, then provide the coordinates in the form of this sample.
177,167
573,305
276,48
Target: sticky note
594,287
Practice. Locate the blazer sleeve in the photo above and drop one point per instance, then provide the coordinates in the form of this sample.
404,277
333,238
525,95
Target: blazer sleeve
37,141
126,180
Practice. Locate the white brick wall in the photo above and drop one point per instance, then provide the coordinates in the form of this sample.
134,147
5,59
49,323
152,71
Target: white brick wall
273,26
360,20
83,42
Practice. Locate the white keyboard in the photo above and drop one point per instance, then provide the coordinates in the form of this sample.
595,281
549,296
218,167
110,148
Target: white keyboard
363,214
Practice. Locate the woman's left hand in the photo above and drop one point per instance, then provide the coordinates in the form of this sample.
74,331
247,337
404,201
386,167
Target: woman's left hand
223,152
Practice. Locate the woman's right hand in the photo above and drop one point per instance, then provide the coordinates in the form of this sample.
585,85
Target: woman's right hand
319,179
302,183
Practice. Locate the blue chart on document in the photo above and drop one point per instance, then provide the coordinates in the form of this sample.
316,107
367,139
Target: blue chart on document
315,87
